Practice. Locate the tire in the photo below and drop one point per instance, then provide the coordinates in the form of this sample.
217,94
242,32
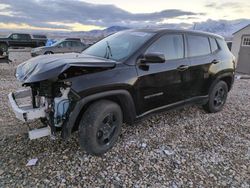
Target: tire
217,97
100,127
4,47
48,53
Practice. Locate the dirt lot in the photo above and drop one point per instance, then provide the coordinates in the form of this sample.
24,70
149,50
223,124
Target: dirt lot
172,149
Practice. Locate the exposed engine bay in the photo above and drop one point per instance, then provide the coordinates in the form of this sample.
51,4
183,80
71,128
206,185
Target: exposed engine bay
45,100
48,87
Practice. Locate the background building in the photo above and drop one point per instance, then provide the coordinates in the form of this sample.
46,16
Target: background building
241,49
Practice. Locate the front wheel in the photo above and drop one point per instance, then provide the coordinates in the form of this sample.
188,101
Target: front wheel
100,127
217,97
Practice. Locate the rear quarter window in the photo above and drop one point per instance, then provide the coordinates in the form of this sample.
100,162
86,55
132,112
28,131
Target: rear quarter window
214,45
198,45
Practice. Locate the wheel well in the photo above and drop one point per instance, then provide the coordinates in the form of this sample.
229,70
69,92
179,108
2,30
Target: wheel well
228,80
48,52
128,117
4,44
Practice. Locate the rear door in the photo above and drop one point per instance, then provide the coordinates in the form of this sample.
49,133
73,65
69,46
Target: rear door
201,58
27,41
162,84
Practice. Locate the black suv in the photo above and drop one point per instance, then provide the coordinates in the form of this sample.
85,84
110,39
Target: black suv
122,78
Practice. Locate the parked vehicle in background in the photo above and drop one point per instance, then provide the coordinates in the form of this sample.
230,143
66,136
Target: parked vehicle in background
62,46
122,78
42,37
20,40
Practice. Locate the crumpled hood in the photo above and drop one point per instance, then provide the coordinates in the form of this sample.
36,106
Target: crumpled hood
50,66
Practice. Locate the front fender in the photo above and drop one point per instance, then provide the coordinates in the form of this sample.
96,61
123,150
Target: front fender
125,100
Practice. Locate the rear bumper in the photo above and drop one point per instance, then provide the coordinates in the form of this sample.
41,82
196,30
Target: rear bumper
25,112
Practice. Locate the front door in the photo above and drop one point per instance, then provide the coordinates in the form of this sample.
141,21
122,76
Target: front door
162,84
63,47
244,56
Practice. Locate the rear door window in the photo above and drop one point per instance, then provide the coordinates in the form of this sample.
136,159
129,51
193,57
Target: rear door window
24,37
170,45
76,44
198,45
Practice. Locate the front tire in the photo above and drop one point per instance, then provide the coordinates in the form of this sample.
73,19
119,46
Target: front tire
100,127
217,97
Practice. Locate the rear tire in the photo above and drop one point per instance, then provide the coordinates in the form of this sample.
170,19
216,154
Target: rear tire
4,47
217,97
100,127
48,53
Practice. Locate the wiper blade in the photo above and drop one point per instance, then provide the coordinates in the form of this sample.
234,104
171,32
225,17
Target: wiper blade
108,51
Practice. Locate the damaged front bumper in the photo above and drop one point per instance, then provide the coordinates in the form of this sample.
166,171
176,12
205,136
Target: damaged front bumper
25,112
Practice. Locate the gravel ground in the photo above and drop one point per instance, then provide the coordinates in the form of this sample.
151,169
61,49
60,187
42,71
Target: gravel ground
180,148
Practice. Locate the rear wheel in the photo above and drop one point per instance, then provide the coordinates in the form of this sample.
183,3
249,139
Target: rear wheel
48,53
3,47
217,97
100,127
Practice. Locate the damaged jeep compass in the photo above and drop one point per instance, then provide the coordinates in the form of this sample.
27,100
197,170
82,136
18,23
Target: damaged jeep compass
120,79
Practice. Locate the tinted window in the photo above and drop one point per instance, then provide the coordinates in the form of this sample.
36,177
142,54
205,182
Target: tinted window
65,44
24,37
76,44
198,46
169,45
214,45
15,37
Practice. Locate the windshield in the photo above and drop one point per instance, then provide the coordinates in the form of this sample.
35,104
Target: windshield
119,46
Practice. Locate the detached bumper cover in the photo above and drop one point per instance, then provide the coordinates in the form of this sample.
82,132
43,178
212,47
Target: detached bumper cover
25,112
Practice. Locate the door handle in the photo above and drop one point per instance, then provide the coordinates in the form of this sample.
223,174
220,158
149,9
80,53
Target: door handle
215,61
182,67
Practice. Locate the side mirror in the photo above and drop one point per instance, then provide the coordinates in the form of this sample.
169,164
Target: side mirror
153,58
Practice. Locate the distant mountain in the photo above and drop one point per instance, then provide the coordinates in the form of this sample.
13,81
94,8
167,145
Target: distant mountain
225,28
222,27
106,31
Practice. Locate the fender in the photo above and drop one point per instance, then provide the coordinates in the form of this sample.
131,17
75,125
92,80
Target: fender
222,76
125,100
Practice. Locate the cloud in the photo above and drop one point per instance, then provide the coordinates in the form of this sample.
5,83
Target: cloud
233,5
41,13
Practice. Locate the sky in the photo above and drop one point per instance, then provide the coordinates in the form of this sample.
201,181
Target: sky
85,15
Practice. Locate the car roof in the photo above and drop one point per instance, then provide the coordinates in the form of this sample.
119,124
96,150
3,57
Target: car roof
164,30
